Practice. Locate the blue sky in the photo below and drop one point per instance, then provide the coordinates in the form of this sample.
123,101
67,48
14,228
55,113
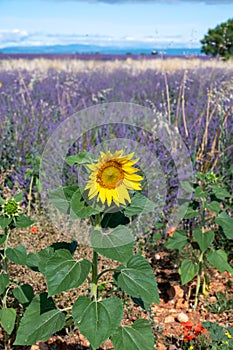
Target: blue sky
152,23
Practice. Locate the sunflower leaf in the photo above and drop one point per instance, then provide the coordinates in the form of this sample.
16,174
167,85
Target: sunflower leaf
139,204
97,320
63,272
79,208
138,336
117,245
137,279
41,319
81,158
61,197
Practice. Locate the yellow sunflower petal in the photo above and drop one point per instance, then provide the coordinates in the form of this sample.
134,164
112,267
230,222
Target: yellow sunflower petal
133,177
129,169
109,197
117,154
123,194
115,197
102,194
112,176
131,185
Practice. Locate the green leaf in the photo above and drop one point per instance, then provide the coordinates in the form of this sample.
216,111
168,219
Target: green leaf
8,317
38,184
1,201
97,320
190,213
138,336
4,282
18,197
41,319
112,220
117,245
220,192
23,221
32,261
213,206
177,241
188,271
63,272
61,197
65,245
44,255
79,208
204,239
187,186
226,222
216,332
38,261
199,193
24,294
139,204
137,279
218,259
18,254
81,158
2,239
4,221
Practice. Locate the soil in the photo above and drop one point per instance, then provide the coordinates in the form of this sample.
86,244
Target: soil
176,301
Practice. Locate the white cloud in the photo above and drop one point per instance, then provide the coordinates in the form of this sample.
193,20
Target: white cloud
13,38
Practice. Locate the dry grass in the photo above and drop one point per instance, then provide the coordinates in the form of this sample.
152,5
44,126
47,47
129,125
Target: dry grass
135,66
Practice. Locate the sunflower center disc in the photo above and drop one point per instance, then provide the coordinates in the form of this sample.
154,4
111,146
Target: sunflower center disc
110,175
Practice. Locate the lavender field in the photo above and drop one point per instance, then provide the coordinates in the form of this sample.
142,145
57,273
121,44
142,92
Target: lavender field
195,95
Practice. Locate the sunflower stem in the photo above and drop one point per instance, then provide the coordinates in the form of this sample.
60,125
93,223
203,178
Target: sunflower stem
94,282
5,265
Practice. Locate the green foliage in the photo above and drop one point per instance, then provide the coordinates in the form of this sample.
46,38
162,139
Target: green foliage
218,259
138,336
204,239
97,320
4,282
8,317
63,272
137,279
221,305
40,321
219,334
24,294
203,244
218,42
117,245
188,271
177,241
18,254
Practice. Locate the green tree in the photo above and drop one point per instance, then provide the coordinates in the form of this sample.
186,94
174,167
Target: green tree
218,42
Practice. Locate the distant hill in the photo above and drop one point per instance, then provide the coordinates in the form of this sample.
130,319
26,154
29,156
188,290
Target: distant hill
93,49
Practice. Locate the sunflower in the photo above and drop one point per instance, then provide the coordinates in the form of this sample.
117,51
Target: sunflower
112,176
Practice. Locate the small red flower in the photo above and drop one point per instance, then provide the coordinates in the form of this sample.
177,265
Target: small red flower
188,337
171,230
199,329
188,325
34,229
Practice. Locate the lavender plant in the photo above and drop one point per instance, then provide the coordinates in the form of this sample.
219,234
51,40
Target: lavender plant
41,100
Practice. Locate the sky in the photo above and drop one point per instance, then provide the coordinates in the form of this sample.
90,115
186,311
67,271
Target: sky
151,23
